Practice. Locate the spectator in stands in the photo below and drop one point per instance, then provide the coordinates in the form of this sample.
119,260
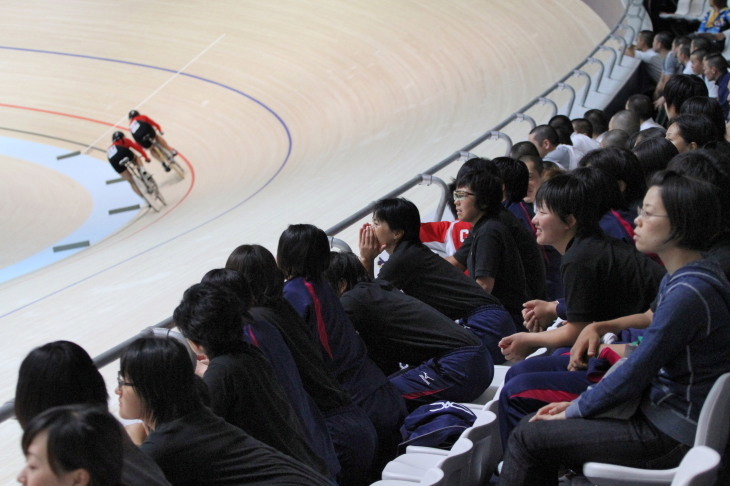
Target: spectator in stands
690,132
582,136
655,132
651,60
615,138
408,339
547,142
243,387
624,167
653,155
353,435
515,181
716,20
663,45
303,255
644,109
626,120
553,281
682,52
523,237
615,219
62,373
709,107
72,445
563,127
599,121
715,67
679,89
658,427
157,384
523,148
493,260
420,273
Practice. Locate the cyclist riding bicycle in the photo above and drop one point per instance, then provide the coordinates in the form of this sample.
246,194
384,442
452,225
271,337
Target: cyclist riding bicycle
146,132
120,150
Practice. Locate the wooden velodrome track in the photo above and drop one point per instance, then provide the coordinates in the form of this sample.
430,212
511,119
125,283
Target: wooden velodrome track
287,112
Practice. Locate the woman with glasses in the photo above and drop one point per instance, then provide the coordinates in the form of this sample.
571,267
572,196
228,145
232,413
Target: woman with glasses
422,274
191,445
646,410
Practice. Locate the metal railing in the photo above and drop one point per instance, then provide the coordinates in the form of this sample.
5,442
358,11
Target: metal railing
428,177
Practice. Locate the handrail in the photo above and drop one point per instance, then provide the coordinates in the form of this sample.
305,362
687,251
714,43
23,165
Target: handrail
427,177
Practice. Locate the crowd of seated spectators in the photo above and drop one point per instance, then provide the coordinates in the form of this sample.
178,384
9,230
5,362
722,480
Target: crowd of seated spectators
593,234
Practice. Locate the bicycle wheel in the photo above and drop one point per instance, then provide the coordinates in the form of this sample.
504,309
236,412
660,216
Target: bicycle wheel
149,190
179,170
167,155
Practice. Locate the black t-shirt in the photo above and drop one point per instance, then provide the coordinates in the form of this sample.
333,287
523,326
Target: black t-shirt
399,328
201,449
245,391
493,253
606,278
533,260
421,273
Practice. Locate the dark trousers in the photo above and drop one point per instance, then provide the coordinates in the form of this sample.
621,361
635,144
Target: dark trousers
538,449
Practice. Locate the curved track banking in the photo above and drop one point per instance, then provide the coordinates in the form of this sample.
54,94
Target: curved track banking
362,95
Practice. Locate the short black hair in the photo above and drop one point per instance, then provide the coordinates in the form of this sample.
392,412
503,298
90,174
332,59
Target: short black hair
654,154
80,436
646,134
583,126
710,107
536,161
717,61
693,208
641,105
523,148
602,186
515,177
487,189
681,87
563,127
647,36
304,251
616,138
258,266
345,267
401,215
696,129
598,119
57,373
566,195
232,279
705,164
163,377
665,38
545,132
477,164
623,165
627,121
213,315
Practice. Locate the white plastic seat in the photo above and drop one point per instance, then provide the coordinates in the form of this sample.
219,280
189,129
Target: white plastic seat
713,428
698,468
433,477
454,465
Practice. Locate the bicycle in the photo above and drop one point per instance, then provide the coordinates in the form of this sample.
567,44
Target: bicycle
146,184
162,154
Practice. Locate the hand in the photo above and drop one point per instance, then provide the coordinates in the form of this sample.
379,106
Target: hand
585,347
539,314
659,103
369,245
515,347
551,411
202,365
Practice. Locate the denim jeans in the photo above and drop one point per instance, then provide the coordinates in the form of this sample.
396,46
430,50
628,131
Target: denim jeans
538,449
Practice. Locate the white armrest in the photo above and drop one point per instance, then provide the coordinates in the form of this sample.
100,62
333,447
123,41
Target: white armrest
427,450
612,475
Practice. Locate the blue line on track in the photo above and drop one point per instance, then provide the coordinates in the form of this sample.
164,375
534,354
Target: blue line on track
200,78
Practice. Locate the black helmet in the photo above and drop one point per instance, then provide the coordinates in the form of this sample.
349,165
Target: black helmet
117,136
133,114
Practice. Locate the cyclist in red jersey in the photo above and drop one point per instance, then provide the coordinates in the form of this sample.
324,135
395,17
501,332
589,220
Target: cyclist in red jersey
120,150
146,131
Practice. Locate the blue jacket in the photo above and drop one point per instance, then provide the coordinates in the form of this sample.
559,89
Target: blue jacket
686,348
